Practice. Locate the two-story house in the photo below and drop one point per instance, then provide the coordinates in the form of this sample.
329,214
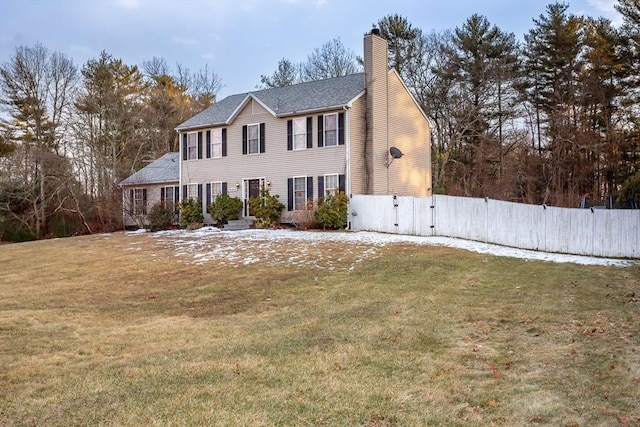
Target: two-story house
304,140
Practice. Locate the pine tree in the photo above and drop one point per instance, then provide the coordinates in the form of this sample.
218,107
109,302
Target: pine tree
480,64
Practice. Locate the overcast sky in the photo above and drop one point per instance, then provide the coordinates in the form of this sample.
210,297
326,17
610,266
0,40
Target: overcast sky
240,39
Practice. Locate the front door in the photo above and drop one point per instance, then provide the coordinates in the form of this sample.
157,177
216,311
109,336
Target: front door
253,191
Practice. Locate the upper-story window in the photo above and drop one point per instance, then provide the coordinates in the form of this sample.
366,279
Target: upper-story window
299,133
330,130
253,138
192,146
216,143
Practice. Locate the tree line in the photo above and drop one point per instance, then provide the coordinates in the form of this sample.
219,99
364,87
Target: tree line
69,135
552,119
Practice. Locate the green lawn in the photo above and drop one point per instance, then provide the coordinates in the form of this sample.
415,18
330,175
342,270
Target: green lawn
137,330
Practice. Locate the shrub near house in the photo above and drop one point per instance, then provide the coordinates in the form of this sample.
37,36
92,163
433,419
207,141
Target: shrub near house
266,208
191,213
332,211
224,209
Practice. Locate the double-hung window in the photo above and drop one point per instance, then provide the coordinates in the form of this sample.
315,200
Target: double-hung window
299,192
330,130
216,190
300,133
192,191
139,201
192,146
216,143
253,139
169,196
331,184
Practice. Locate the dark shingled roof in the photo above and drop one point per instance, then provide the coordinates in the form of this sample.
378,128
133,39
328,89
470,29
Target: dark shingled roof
164,169
284,101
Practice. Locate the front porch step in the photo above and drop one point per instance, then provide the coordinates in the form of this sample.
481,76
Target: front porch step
239,224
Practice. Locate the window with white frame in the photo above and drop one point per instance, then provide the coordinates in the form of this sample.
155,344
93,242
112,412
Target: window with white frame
192,191
169,195
192,146
253,139
216,190
138,202
331,184
216,143
330,129
300,133
299,192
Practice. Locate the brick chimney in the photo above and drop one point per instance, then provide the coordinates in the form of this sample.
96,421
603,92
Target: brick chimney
376,86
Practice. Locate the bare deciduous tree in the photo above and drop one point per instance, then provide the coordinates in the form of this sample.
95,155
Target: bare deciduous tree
330,60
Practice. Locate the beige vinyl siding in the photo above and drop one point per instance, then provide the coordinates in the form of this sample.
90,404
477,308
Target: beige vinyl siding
357,125
153,197
409,131
276,164
376,71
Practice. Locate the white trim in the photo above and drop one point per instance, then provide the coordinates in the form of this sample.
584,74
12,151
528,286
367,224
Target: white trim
213,195
196,146
306,196
244,191
259,147
337,187
324,129
217,130
240,107
189,195
293,133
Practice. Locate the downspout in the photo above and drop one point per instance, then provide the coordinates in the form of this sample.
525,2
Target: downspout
386,113
124,219
347,137
180,148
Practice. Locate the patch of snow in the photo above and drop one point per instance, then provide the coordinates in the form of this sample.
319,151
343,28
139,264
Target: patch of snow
211,243
133,233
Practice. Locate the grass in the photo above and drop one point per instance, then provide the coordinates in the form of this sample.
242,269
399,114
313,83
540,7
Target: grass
118,330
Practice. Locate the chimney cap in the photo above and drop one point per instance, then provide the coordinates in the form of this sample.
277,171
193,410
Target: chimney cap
375,31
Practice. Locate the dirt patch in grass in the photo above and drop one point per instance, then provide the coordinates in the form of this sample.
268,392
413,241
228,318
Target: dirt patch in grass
230,330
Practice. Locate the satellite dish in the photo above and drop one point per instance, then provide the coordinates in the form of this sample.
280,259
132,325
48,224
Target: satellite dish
395,153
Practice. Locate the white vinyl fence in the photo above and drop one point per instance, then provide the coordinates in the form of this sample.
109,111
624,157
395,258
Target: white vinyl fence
597,232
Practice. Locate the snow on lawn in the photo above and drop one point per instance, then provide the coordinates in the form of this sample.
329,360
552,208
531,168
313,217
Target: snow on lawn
299,248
